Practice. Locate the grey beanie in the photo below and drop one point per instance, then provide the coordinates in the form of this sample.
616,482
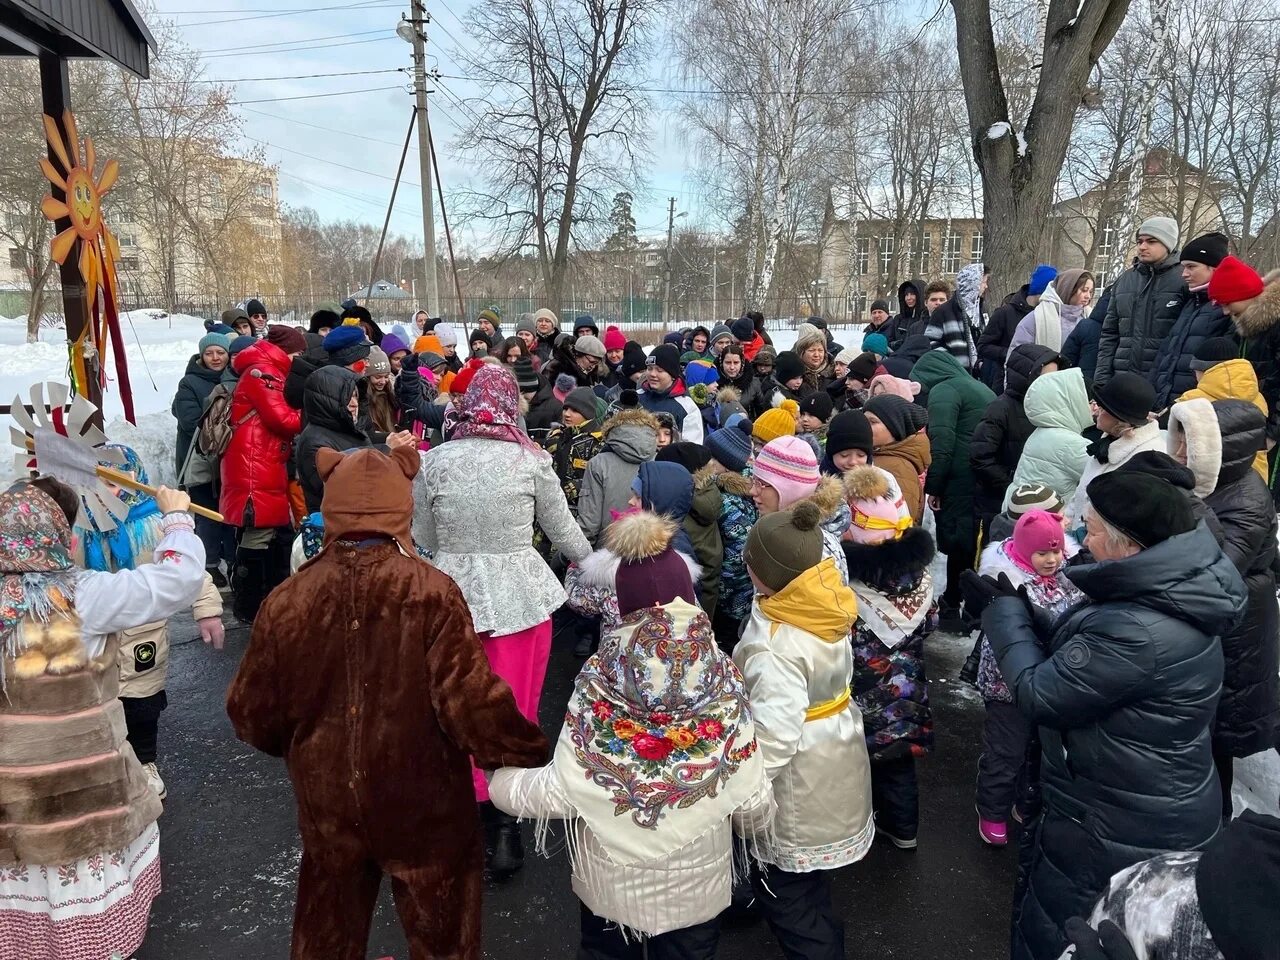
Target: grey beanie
1164,229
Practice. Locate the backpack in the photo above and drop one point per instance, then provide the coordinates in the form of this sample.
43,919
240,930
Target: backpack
213,433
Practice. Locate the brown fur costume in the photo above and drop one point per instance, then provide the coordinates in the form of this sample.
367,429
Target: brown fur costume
365,674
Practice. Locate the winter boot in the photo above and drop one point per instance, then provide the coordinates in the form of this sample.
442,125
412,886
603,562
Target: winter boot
969,672
508,847
248,583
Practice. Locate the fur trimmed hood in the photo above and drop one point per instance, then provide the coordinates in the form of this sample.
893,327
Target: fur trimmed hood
1199,423
633,416
892,561
728,395
726,481
632,537
1263,312
828,497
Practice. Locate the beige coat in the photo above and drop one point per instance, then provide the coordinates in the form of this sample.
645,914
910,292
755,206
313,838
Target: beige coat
144,651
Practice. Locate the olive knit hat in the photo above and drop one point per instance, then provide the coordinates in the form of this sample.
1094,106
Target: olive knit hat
783,545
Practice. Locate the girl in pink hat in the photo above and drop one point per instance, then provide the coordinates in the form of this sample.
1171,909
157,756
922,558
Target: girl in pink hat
1008,769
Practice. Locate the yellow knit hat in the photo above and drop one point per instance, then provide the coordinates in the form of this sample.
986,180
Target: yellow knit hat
778,422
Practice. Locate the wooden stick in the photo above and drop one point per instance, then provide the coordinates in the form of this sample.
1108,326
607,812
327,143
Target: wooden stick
124,480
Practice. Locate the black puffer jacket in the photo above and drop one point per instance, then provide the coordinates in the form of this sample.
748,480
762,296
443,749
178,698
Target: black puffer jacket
1248,712
998,439
993,344
329,424
904,357
1259,331
1201,319
1123,689
907,316
189,403
1145,301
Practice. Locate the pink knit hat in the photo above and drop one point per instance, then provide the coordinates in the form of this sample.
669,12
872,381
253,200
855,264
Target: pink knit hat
875,516
1037,530
906,389
788,465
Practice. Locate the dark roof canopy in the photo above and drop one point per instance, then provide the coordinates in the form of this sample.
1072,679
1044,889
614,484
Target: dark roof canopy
91,29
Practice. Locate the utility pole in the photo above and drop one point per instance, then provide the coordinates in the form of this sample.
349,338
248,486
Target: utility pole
715,284
418,23
666,294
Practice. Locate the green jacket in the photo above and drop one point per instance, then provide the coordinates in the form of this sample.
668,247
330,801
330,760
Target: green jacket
956,404
703,527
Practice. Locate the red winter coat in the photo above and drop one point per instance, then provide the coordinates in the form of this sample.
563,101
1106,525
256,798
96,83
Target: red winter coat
255,478
752,347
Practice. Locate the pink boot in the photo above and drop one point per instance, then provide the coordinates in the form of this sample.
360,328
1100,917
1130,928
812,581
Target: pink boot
993,832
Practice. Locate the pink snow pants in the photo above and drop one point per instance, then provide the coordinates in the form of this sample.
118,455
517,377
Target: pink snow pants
521,660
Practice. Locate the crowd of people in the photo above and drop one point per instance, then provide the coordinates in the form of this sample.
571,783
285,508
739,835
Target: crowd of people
741,541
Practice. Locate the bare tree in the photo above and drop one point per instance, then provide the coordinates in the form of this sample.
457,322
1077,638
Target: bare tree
1020,167
554,127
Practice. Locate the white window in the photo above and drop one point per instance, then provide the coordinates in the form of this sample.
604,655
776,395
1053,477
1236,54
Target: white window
926,255
951,252
127,238
262,190
128,263
1106,244
975,248
862,251
886,255
17,258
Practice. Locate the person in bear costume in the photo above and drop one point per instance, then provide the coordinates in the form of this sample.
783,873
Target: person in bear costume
375,716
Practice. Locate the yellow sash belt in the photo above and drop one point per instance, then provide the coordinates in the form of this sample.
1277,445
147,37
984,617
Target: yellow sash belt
827,708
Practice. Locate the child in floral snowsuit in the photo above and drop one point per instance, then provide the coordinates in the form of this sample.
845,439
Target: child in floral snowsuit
889,561
1008,769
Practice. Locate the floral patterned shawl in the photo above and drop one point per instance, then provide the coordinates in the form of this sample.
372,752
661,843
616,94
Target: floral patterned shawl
658,745
490,409
35,562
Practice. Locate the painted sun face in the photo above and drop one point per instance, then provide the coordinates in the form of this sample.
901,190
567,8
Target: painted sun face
82,203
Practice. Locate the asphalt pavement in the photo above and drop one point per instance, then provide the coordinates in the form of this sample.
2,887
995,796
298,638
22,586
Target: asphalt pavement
230,848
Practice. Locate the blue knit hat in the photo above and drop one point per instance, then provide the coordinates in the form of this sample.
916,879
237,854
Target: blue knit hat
213,340
876,343
346,345
731,447
700,371
240,343
1041,277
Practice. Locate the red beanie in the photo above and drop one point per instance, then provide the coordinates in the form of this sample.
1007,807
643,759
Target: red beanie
614,339
288,339
1233,281
463,378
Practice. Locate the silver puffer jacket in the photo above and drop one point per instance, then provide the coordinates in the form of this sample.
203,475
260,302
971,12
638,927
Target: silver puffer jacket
475,501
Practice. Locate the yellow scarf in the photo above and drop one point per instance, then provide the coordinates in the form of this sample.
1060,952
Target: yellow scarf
815,602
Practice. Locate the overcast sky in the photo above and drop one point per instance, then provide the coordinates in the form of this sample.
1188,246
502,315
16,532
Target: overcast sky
316,142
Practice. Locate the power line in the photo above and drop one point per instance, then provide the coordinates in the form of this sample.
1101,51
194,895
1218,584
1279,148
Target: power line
317,126
304,96
258,48
364,5
318,46
303,76
334,163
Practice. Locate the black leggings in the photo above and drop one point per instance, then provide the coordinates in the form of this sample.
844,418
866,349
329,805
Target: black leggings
957,563
142,723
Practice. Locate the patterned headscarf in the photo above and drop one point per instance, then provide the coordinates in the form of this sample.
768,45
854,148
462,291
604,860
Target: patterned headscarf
134,540
968,290
35,561
658,745
490,409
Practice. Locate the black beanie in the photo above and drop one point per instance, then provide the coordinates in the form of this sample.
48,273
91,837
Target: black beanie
862,367
1214,351
667,357
692,456
322,319
880,305
849,430
1156,463
817,405
788,366
743,329
1144,508
1209,249
900,417
633,362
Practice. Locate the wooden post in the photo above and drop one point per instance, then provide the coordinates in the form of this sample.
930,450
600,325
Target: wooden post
55,90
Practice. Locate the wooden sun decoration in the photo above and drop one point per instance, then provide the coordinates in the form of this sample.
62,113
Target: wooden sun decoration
58,439
81,207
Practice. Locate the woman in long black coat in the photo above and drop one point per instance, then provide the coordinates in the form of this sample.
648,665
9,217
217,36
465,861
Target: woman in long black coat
1249,708
1123,689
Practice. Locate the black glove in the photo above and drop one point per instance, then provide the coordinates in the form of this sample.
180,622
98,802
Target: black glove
409,362
980,591
1107,943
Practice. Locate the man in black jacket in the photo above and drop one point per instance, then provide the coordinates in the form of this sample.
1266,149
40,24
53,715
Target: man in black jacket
994,342
910,310
1145,301
1201,319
